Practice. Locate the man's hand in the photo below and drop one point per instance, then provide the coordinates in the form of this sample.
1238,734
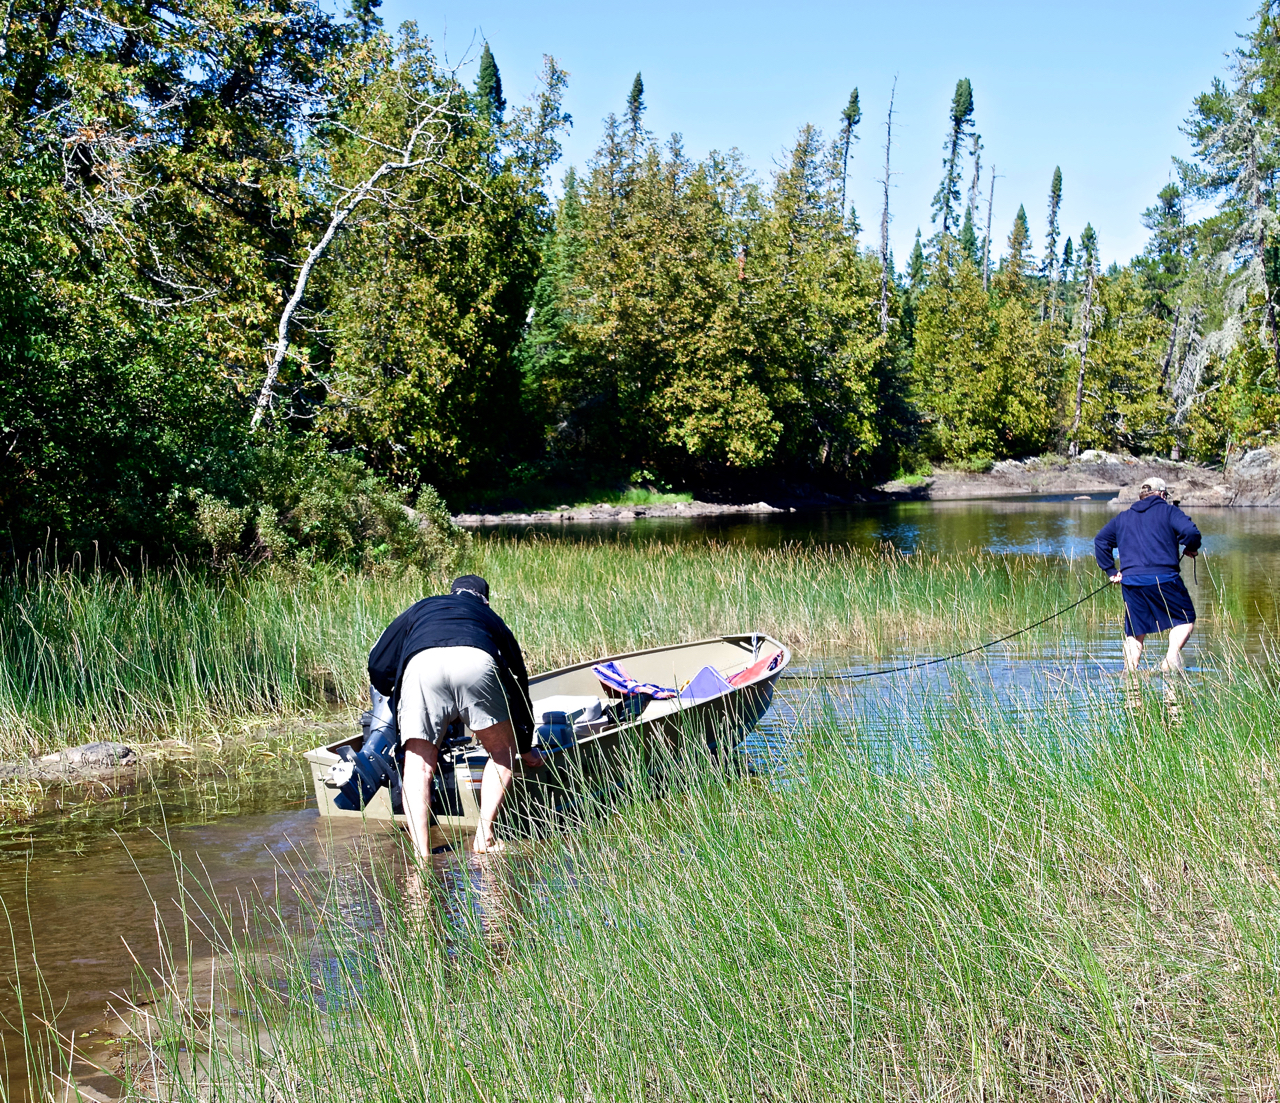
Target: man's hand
533,759
1191,554
1115,577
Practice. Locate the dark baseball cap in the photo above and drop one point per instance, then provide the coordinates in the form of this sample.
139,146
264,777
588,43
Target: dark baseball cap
471,584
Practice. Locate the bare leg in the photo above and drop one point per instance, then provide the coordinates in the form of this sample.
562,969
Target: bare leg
1178,636
500,742
419,767
1133,651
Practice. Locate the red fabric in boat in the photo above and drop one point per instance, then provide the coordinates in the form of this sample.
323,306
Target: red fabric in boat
756,669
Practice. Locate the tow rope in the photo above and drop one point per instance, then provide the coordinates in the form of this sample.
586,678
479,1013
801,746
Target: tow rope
959,654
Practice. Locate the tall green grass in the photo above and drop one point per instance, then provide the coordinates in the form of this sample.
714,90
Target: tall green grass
1080,907
108,653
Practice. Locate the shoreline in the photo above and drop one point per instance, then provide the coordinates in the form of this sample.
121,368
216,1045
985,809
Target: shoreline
1251,482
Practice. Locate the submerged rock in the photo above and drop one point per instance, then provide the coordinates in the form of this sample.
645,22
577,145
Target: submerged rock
92,756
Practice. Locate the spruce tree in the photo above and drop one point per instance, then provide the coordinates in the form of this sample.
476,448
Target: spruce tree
1049,268
849,119
489,87
635,108
948,194
915,271
365,13
969,237
1068,259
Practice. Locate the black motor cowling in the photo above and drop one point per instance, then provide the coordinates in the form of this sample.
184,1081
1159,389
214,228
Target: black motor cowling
380,761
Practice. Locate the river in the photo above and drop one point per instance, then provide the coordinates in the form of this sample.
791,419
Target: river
91,892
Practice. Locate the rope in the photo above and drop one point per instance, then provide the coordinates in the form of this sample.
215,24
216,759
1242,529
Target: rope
961,654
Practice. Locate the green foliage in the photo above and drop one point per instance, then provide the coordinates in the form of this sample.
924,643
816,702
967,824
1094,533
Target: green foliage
489,87
948,194
308,506
980,380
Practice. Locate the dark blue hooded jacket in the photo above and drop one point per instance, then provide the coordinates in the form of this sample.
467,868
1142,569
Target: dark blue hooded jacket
1148,534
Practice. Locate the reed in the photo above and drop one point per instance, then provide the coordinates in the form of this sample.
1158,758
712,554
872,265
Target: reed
1075,905
103,653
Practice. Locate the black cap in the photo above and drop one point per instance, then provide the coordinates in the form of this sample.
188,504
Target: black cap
471,584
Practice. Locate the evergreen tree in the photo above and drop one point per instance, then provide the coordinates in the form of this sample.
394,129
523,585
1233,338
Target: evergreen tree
489,87
1166,262
1089,262
365,13
1049,267
948,194
1068,259
849,119
635,111
916,266
969,237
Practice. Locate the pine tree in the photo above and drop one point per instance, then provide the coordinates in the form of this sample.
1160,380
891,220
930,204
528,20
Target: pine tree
948,194
1068,259
365,13
489,87
1049,268
849,119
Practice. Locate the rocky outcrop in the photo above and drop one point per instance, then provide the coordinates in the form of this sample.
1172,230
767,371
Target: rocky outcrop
606,512
89,760
1254,480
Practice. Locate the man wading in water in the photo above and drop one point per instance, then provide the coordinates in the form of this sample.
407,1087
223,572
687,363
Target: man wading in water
1155,597
448,658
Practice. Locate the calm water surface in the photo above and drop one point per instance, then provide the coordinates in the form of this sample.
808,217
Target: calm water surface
79,886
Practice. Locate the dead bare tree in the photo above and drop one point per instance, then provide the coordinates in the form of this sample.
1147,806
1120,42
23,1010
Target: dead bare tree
986,241
431,125
884,216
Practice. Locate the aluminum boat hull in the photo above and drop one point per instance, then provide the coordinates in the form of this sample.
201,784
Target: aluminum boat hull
665,737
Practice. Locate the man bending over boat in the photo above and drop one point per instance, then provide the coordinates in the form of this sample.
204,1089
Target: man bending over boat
1155,597
448,658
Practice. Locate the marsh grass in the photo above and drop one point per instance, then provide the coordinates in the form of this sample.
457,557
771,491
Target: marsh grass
1083,906
102,653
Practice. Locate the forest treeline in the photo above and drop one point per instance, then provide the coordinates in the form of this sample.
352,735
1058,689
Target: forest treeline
269,278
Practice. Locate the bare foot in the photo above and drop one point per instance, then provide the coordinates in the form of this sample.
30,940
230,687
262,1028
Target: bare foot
1172,665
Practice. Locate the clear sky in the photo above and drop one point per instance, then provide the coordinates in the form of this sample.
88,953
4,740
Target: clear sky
1098,87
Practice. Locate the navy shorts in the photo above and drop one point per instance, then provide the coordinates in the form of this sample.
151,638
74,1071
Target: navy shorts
1156,608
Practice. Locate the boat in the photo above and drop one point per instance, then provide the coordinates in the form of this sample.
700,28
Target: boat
635,736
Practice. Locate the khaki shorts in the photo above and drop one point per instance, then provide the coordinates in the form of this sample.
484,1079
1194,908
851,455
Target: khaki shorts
443,684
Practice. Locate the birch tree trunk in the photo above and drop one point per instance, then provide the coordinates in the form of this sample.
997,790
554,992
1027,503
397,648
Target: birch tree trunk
409,159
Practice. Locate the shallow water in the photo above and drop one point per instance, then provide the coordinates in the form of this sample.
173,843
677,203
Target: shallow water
92,892
1238,572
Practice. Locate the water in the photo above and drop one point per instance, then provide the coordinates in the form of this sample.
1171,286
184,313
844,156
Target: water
1237,574
82,884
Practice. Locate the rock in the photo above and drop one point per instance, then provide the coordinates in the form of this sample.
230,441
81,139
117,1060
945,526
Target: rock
93,756
1257,461
1008,467
1093,455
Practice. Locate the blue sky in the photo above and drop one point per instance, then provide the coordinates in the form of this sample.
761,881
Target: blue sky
1098,88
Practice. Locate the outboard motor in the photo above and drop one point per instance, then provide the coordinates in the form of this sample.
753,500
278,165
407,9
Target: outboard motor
379,762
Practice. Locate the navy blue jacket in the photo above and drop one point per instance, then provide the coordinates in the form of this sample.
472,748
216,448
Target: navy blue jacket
1148,534
454,620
